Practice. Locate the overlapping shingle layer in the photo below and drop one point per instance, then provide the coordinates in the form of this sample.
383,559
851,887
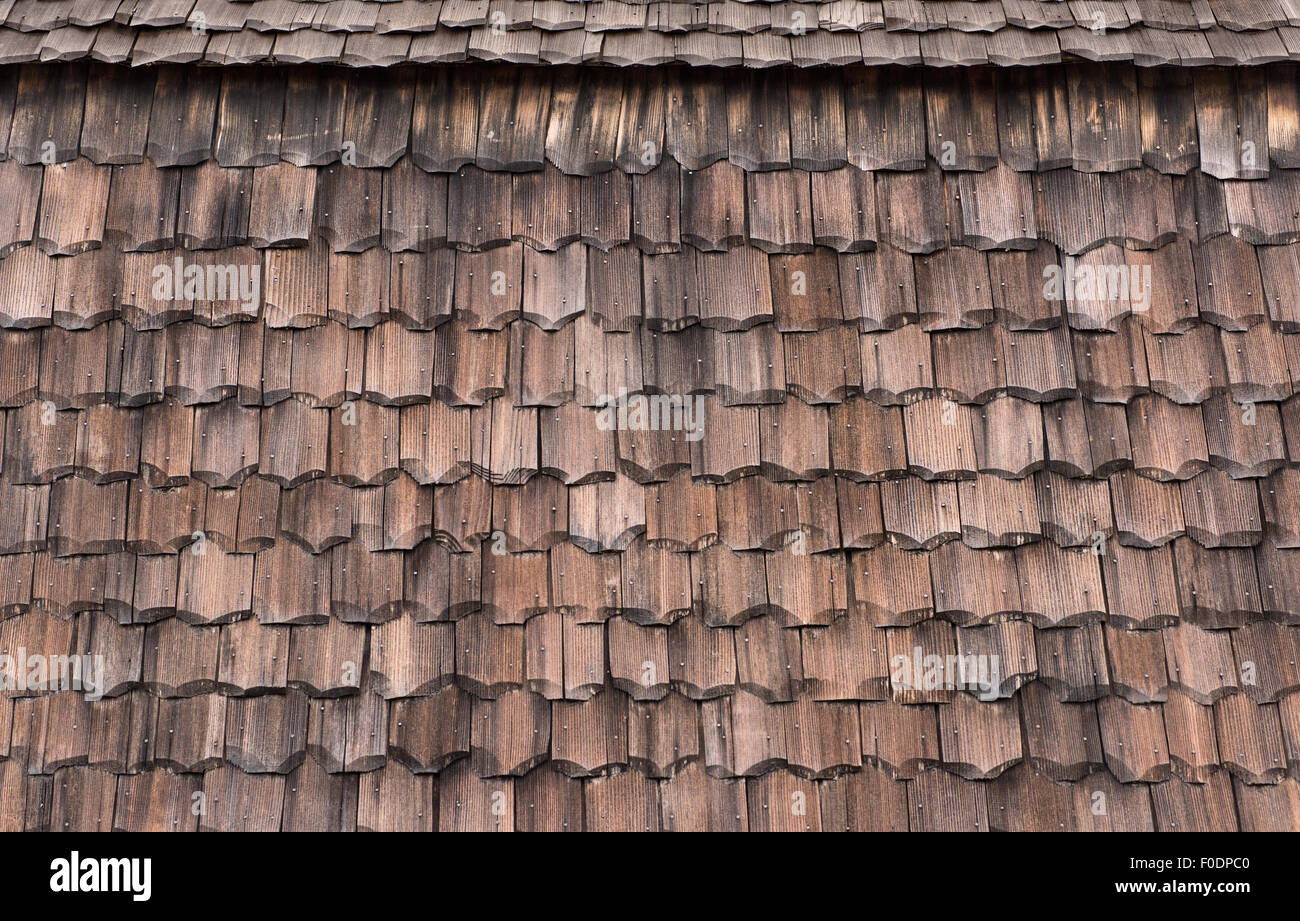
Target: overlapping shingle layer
755,34
358,552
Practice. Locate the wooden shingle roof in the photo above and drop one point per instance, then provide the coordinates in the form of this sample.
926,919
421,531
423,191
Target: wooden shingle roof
305,430
734,33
